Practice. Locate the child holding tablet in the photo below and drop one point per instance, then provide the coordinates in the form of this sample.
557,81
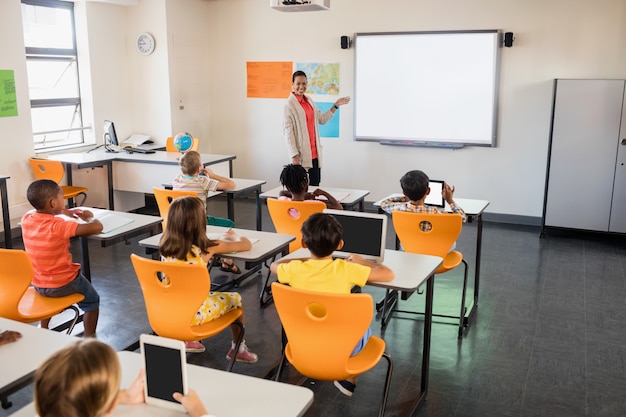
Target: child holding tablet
83,380
185,240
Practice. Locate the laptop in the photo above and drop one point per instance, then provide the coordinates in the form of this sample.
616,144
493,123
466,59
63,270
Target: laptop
435,198
364,234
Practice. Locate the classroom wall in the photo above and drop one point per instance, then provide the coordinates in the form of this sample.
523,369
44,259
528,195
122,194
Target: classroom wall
201,55
554,39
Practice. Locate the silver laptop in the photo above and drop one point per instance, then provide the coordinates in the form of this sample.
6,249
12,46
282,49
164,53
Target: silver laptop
364,234
435,197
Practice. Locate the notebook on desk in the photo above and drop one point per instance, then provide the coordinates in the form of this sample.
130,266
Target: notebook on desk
364,234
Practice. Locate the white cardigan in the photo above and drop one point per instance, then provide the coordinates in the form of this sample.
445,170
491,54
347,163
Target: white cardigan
296,132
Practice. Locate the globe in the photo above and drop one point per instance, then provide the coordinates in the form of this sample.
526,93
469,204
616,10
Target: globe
183,142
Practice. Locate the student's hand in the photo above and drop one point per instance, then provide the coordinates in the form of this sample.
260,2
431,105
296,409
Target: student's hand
208,172
448,193
135,393
9,336
74,213
86,215
357,259
230,236
191,402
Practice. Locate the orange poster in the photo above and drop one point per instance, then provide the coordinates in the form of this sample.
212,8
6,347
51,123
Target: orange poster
269,79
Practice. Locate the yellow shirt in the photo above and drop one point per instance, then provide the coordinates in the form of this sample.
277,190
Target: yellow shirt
334,276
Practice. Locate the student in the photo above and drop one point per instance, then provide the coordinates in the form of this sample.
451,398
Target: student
83,380
195,177
296,180
322,235
47,241
185,241
415,188
9,336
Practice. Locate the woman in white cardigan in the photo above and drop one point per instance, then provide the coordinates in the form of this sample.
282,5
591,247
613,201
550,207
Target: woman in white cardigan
300,127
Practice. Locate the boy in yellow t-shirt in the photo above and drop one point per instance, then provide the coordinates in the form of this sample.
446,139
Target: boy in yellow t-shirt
322,235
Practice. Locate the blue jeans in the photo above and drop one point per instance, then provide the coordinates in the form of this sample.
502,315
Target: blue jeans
80,285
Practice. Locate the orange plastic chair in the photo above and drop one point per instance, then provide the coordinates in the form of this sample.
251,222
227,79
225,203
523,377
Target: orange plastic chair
322,330
172,307
20,302
165,197
169,145
444,230
286,224
45,169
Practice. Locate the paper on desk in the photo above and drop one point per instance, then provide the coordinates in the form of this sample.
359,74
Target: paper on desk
138,140
112,221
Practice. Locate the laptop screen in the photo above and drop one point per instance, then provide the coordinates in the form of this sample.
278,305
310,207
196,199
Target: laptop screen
364,234
435,198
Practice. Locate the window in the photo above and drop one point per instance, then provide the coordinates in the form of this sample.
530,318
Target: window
52,66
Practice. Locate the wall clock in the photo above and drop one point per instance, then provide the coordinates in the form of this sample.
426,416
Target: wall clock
145,43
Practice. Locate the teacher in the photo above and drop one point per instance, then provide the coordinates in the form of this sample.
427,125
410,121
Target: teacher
300,127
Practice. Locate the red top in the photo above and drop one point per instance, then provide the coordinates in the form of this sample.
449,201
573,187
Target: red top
310,123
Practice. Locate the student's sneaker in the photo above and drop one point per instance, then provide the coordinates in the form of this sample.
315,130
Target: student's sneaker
194,347
244,355
345,387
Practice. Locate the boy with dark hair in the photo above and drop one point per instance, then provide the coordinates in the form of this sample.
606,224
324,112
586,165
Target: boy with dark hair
47,241
415,188
322,235
296,180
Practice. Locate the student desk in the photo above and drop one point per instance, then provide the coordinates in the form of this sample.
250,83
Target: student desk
267,246
347,197
6,220
242,187
134,172
411,271
474,210
19,360
224,394
140,224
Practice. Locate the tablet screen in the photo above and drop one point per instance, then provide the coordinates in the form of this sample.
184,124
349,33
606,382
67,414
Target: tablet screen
435,198
164,373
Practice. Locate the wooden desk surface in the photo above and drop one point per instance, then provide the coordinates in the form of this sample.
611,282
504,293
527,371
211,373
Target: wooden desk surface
224,394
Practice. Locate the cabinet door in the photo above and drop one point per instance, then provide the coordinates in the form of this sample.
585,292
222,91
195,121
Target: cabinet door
618,205
586,125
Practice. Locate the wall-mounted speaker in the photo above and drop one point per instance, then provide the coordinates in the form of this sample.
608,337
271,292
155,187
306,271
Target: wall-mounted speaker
508,39
346,42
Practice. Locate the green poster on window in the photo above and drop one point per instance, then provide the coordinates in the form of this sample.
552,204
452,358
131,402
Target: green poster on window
8,99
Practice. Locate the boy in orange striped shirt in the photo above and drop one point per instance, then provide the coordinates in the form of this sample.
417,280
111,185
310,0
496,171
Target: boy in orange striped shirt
47,241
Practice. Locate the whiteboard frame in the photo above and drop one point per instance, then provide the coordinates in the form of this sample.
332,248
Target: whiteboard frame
488,115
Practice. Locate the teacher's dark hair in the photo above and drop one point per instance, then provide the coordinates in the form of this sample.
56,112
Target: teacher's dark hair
297,74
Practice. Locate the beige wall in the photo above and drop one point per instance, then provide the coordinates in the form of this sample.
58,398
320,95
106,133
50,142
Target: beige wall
201,55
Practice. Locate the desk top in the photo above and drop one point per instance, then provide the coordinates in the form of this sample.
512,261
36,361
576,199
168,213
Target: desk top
345,196
159,157
137,221
267,242
224,394
241,184
470,206
411,269
21,358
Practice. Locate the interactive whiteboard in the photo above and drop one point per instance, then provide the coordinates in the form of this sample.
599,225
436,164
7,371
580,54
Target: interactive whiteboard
427,88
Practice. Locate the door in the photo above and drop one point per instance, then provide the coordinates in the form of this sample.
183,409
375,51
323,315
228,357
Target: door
618,205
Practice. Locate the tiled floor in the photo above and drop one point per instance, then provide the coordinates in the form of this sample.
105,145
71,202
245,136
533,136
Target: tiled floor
548,339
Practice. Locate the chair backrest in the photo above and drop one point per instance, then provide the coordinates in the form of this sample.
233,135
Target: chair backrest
322,328
288,217
165,197
443,231
169,144
171,307
16,274
46,169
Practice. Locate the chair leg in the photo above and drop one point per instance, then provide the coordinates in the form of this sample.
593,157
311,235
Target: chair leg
74,320
462,315
237,344
387,384
82,203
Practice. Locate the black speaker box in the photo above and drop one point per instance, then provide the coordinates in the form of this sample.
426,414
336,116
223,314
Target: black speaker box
508,39
345,42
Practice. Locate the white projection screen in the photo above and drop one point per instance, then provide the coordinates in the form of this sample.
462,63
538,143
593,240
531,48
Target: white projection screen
427,88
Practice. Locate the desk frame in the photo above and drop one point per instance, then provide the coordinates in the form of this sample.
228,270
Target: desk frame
6,219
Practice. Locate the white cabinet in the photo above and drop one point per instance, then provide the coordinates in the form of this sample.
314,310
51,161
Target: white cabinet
586,175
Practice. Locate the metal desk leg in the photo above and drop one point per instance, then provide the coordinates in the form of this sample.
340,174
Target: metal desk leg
6,219
257,193
479,240
230,205
84,251
109,166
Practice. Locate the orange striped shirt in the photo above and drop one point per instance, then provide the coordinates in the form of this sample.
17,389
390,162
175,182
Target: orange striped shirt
47,241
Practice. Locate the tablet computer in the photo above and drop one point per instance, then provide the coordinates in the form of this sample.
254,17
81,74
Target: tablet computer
166,370
435,197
